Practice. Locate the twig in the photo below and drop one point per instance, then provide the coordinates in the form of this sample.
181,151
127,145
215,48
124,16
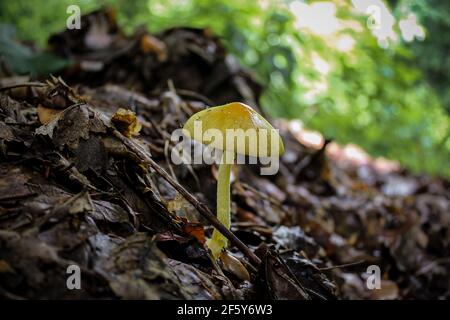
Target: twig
166,155
432,264
351,264
26,84
192,94
201,208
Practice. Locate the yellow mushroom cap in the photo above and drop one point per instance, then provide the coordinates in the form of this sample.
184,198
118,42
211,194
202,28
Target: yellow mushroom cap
242,130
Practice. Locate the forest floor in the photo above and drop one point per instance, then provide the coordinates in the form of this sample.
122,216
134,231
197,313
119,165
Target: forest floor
77,188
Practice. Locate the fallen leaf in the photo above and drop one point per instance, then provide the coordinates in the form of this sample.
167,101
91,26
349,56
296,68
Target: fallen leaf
196,230
47,114
388,291
234,266
280,282
126,122
5,267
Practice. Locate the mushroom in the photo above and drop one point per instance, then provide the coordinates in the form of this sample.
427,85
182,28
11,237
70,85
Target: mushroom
233,125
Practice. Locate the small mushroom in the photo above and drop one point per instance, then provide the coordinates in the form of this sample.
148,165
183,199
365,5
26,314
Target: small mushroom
241,131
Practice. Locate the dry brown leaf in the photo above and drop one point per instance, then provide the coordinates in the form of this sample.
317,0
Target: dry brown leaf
388,291
126,122
196,230
5,267
47,114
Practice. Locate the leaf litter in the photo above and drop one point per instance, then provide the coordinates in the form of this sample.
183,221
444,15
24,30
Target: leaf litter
77,187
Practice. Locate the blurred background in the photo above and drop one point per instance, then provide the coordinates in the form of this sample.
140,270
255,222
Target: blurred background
370,72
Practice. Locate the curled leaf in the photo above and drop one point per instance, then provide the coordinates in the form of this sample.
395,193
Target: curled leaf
234,266
126,122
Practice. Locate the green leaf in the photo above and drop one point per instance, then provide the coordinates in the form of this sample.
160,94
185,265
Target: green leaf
21,59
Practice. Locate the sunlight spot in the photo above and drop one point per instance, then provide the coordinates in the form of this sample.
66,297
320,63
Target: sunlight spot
320,64
309,138
410,28
318,17
315,89
345,43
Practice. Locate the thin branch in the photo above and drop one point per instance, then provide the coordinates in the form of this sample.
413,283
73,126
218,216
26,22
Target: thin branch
25,84
351,264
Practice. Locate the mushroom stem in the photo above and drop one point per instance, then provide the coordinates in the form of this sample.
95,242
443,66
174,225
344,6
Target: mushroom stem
218,241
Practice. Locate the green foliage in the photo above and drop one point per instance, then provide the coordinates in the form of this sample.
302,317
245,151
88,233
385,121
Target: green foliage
432,53
390,100
22,60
